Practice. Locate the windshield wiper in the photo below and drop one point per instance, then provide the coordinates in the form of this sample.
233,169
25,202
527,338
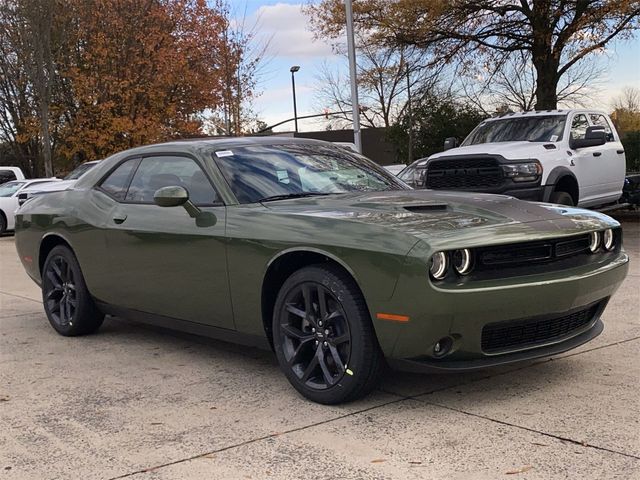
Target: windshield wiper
286,196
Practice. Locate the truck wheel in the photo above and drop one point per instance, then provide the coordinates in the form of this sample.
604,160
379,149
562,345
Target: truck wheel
562,198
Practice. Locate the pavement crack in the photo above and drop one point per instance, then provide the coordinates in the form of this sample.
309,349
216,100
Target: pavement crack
532,430
20,296
259,439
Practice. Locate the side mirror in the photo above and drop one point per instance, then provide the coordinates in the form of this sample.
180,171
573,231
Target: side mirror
593,137
450,142
175,197
171,197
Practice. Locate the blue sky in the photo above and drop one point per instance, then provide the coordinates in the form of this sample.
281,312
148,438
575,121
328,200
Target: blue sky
292,44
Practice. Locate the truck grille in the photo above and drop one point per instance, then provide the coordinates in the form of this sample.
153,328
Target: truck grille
464,174
510,335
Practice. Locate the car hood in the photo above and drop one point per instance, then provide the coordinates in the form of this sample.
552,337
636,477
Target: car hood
443,217
508,150
54,186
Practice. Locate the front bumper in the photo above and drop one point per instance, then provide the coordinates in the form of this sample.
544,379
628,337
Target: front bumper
461,311
424,365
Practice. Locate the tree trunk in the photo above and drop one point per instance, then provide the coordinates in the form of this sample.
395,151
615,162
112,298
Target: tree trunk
546,85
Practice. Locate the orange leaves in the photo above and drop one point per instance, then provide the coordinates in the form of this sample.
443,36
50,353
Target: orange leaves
140,72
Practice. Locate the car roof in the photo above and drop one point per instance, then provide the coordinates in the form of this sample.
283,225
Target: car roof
230,142
541,113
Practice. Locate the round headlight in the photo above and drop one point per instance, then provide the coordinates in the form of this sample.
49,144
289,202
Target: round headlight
594,241
607,240
439,263
462,261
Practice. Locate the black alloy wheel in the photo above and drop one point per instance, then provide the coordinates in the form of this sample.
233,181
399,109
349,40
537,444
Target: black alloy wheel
67,302
60,294
316,337
323,336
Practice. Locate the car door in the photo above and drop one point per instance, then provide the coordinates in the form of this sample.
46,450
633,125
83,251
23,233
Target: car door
612,164
161,260
586,162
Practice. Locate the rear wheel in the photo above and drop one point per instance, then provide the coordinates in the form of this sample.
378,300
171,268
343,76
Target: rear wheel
562,198
3,223
67,302
323,336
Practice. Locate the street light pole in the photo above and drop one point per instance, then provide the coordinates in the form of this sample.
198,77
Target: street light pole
293,70
352,76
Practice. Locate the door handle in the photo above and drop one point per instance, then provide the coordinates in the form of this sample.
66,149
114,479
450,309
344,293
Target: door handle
118,219
597,154
619,152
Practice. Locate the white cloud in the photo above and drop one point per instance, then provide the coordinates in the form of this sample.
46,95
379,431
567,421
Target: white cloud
289,31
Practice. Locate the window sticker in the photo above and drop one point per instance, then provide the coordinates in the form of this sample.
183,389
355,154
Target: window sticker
283,176
554,138
224,153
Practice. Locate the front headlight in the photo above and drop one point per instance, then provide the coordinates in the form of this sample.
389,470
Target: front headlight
607,240
439,265
594,241
523,172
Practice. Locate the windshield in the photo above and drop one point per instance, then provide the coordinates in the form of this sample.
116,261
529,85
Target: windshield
259,173
522,129
79,171
9,188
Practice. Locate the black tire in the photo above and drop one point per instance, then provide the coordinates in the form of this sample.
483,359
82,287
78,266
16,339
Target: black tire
69,307
3,223
311,349
562,198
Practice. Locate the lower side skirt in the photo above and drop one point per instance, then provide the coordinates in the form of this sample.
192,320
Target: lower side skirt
186,326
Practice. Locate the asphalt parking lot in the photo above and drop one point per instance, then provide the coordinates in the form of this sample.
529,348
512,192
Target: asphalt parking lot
142,403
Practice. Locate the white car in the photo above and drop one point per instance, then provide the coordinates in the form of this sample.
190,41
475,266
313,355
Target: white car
9,199
67,182
570,157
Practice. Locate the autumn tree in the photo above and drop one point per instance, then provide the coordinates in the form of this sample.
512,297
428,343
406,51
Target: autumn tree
28,42
141,72
512,87
85,78
554,34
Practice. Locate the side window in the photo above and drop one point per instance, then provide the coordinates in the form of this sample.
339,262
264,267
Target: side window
599,120
6,176
579,127
165,171
116,183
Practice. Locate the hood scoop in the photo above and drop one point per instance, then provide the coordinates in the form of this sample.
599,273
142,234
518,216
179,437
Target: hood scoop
426,207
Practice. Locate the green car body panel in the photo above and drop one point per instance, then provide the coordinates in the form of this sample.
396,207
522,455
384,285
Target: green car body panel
224,274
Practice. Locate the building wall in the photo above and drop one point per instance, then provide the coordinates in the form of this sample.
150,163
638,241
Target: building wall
374,144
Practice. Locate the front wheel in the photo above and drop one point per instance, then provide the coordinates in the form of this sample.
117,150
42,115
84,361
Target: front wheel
67,302
562,198
323,336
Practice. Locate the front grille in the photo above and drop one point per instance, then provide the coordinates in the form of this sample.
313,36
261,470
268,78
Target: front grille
526,253
464,174
516,334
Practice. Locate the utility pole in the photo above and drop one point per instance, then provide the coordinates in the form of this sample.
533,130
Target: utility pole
352,76
410,115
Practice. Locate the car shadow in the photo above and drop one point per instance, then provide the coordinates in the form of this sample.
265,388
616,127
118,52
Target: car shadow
496,380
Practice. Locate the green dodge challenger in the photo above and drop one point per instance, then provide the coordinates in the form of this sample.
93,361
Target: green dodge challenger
318,253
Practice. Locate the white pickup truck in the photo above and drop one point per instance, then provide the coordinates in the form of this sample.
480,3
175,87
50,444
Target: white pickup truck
7,174
570,157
